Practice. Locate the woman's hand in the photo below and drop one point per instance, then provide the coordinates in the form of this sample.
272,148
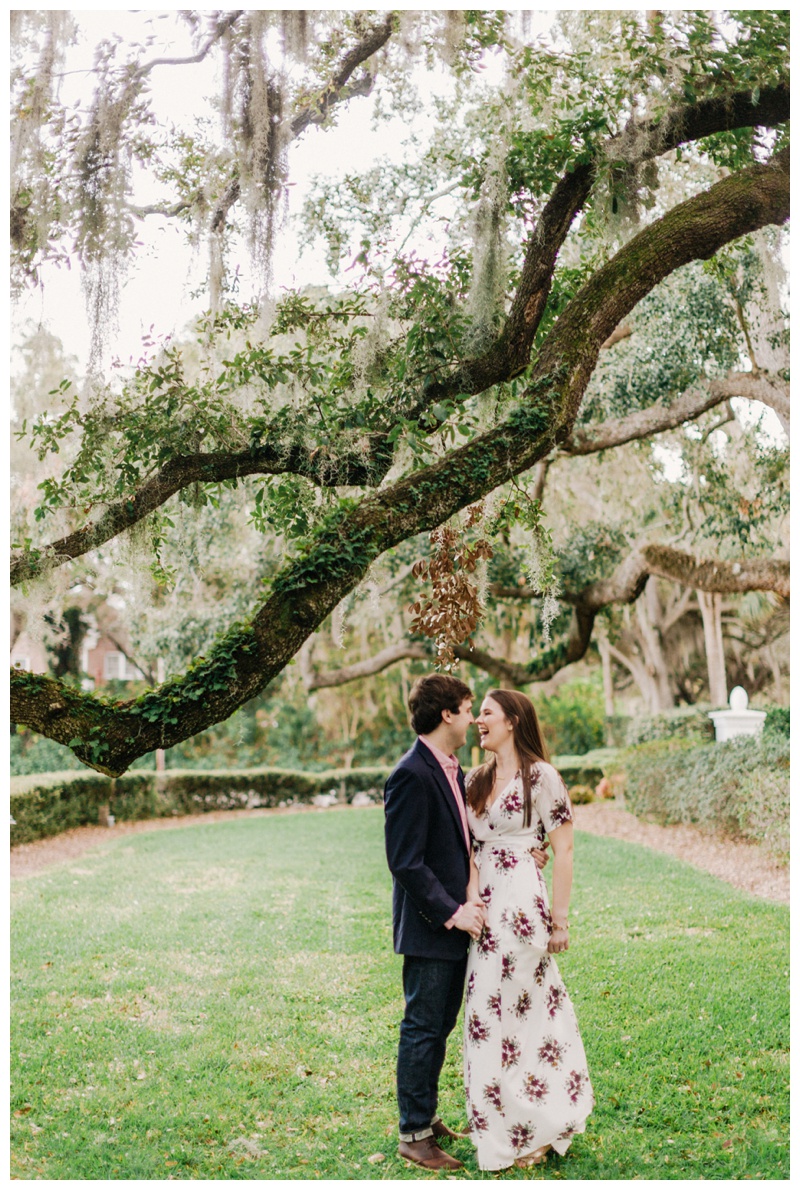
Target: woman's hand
559,940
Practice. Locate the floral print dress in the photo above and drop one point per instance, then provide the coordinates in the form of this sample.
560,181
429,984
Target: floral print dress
525,1071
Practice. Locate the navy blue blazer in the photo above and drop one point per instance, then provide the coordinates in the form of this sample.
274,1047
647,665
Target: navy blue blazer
428,856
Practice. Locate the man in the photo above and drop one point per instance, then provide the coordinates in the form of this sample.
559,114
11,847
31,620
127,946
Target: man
428,848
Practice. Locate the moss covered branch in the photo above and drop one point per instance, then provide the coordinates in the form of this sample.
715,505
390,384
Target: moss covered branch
344,468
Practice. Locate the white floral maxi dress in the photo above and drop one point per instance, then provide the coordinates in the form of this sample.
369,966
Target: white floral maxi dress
527,1083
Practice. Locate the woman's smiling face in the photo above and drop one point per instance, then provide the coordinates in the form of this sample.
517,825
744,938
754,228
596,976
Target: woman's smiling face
493,727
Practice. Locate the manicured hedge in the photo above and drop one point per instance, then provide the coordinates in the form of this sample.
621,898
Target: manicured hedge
682,723
47,803
739,788
192,791
588,769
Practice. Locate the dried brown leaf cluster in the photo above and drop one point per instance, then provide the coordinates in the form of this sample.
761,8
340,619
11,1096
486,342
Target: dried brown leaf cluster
453,610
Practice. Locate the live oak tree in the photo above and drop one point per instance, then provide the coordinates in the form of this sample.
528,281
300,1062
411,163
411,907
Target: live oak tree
611,155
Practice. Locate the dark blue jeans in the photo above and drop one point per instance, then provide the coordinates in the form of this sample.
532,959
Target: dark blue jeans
433,990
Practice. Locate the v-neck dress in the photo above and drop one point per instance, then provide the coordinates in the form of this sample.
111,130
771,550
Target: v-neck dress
525,1070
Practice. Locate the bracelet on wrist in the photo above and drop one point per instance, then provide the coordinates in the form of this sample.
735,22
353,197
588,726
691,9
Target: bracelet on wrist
557,925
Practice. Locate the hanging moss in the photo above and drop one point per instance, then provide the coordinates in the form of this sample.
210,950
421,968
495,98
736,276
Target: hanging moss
487,289
254,110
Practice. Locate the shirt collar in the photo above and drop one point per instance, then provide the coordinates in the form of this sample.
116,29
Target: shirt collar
447,762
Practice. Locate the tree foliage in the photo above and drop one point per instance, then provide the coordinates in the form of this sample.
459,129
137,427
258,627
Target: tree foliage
581,189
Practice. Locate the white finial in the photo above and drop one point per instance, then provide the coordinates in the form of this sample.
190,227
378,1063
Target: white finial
739,699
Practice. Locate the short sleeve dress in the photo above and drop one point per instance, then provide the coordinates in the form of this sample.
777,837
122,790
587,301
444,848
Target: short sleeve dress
525,1071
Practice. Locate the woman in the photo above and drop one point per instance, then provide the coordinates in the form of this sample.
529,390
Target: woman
528,1088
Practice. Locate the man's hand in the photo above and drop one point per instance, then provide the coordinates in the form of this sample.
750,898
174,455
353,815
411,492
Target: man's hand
541,857
471,918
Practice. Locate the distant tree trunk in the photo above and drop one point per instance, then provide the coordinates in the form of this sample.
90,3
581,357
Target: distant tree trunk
711,611
161,756
777,677
640,674
649,615
608,673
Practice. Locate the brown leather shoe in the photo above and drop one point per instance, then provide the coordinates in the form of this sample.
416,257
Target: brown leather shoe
427,1154
442,1132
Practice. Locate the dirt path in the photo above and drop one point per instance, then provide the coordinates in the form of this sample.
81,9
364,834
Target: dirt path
744,865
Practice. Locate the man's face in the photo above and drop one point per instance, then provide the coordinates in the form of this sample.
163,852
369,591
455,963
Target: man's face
459,724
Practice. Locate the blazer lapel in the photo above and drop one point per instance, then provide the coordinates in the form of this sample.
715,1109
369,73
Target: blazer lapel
444,785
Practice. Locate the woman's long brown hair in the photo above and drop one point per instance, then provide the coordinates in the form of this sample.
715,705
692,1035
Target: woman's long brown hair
528,742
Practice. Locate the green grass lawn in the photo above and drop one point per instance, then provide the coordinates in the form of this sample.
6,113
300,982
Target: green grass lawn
222,1001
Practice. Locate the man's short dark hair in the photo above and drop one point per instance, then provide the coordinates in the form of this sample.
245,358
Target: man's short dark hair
432,694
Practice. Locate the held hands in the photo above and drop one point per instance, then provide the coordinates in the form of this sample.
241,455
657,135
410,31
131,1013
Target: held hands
472,918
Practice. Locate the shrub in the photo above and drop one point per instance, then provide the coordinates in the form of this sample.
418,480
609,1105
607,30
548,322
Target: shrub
47,803
740,787
682,723
573,718
777,722
588,769
193,791
581,795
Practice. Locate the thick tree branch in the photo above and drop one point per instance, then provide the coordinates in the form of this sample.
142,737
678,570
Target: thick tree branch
510,354
589,439
221,28
621,332
319,465
761,386
372,665
693,230
336,90
769,390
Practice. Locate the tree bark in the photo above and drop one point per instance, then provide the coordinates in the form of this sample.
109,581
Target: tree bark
589,439
711,611
640,674
608,674
648,614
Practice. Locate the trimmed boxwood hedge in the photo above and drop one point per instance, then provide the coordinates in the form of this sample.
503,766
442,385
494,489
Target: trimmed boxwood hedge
588,769
45,804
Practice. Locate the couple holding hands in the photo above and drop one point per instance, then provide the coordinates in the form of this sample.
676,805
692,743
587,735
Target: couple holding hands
470,908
